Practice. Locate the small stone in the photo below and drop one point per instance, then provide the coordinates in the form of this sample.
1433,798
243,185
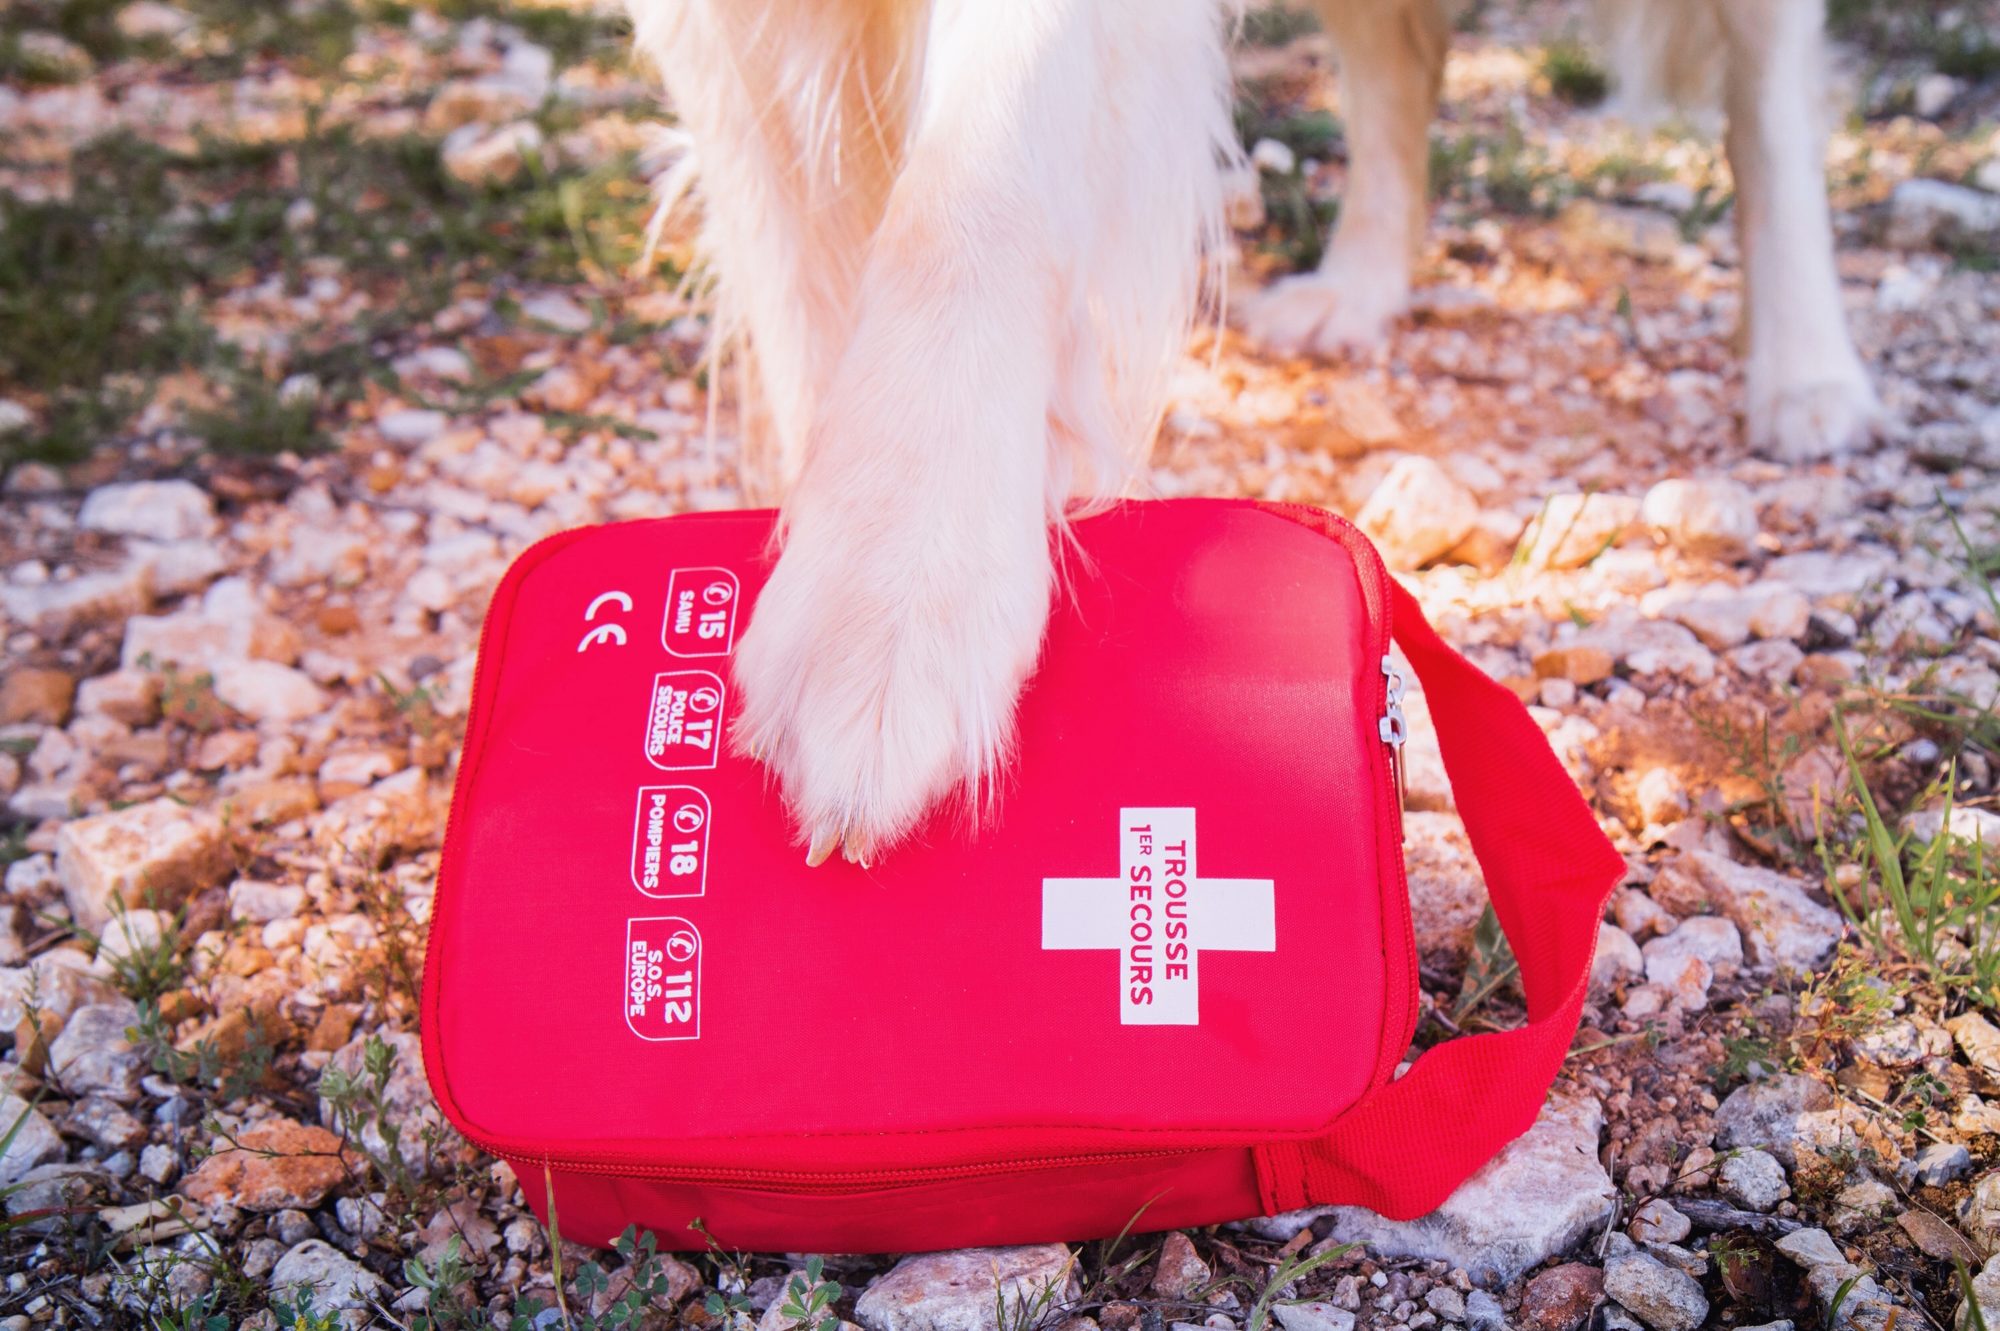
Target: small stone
128,696
1812,1248
958,1291
1781,926
411,426
1766,1114
1581,666
135,934
260,903
1661,797
1712,518
1417,513
155,510
105,1123
1447,1303
1562,1298
152,21
1312,1317
1181,1270
1617,959
1942,1162
291,1227
35,696
1573,529
154,855
338,1283
268,691
36,1142
1542,1193
1934,1238
1658,1222
557,311
92,1055
1753,1179
1709,937
1925,212
159,1162
1658,1295
477,155
1483,1312
276,1165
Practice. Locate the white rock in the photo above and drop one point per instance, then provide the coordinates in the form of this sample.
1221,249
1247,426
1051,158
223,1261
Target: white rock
1542,1193
1658,1295
1935,93
56,982
157,510
1710,937
1753,1179
1662,799
1966,823
338,1283
35,1142
1617,959
958,1291
132,934
557,311
152,854
1274,156
1417,513
267,691
1573,529
1316,1315
91,1055
1922,212
1985,1293
1782,927
477,155
111,594
411,426
1651,647
149,20
1769,1114
1711,517
130,696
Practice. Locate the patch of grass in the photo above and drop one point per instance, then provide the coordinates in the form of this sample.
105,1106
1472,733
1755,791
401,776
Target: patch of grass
1574,74
1503,171
1935,902
1276,24
105,293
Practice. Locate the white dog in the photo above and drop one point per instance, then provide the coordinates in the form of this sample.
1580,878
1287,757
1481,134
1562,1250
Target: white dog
963,241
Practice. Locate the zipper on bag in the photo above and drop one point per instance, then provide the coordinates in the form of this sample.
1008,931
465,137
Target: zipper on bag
1392,727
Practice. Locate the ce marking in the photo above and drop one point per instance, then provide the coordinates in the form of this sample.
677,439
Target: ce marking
611,631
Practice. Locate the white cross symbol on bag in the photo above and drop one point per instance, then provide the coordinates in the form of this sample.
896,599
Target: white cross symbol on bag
1160,915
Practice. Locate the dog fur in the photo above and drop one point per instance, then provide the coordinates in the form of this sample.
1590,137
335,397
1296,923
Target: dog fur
960,243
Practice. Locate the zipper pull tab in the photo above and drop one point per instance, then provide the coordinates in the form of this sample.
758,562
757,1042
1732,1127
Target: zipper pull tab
1391,726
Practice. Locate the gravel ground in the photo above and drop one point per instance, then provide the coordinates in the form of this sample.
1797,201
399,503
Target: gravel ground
311,318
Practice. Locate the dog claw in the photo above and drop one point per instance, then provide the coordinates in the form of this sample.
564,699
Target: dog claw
824,841
857,853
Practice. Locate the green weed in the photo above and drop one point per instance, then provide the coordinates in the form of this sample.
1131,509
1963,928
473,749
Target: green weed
1574,74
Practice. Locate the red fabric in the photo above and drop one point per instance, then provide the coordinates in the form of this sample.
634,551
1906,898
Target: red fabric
635,984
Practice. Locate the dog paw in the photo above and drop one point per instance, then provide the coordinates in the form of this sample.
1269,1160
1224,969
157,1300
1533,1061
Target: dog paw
1815,420
1324,313
880,669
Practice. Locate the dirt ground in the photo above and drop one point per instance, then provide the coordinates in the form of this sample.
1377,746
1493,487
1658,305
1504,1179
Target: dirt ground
312,316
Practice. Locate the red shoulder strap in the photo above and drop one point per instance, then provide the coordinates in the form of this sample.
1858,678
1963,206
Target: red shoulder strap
1405,1146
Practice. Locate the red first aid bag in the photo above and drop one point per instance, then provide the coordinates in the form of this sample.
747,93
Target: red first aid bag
1171,973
